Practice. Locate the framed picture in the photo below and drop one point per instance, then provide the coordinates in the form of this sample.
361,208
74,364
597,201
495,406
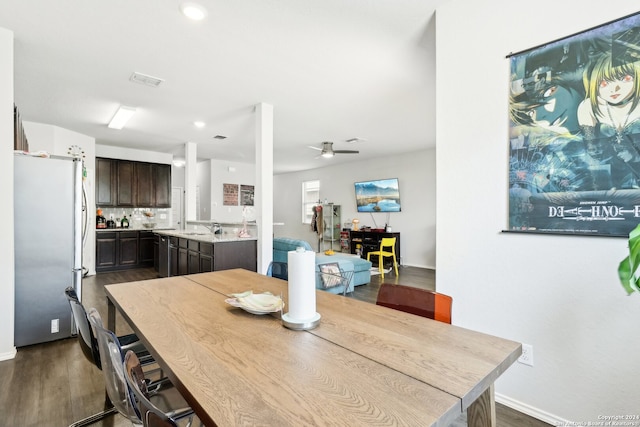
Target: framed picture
330,274
230,194
574,133
247,194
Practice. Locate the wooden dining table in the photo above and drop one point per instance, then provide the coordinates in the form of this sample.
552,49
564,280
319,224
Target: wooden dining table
363,365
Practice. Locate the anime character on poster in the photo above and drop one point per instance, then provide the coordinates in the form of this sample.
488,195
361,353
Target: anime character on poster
610,118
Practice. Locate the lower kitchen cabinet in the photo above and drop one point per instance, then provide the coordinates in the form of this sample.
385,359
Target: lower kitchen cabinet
240,254
206,257
127,245
179,256
119,250
146,254
106,250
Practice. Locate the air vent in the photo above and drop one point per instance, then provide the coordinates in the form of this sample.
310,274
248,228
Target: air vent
356,139
143,79
219,137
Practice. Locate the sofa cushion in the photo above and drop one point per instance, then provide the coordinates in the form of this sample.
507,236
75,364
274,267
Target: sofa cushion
282,246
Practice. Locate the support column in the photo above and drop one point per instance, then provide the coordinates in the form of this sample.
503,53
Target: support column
190,180
264,184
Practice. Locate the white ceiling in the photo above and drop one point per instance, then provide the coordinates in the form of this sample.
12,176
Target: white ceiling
332,69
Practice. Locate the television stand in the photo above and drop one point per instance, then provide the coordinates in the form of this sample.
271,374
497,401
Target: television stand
369,241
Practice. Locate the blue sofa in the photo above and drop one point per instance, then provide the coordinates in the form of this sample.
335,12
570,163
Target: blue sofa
361,268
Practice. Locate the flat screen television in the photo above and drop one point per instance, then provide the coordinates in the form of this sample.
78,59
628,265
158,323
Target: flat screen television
380,195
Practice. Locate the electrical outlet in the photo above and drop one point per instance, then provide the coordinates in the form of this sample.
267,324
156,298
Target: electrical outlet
526,357
55,326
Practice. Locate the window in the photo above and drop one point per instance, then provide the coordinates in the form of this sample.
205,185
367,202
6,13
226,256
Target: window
310,197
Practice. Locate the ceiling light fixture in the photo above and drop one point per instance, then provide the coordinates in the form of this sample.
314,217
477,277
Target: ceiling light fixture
145,79
193,11
327,154
178,162
121,117
199,124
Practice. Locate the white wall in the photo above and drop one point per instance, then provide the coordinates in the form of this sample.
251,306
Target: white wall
7,296
559,294
203,171
132,154
225,172
56,140
416,223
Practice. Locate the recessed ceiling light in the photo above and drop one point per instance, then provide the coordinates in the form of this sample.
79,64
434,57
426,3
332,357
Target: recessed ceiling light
199,124
193,11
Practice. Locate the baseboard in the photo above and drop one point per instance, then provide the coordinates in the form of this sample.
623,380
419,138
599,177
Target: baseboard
531,411
8,355
418,266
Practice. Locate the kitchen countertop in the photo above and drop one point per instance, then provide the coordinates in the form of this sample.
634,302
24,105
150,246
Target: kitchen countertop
204,236
133,229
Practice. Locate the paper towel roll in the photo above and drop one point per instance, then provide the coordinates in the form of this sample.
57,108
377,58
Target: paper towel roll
302,284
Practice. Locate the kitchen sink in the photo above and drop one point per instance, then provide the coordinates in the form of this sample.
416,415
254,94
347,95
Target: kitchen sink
196,234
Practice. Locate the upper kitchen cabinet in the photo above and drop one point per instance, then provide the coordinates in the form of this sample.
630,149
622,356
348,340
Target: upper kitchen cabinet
106,182
144,184
161,185
125,183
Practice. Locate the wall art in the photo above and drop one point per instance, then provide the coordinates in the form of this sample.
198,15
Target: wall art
574,135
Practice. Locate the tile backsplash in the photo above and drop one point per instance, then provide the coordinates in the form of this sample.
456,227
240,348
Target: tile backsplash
136,217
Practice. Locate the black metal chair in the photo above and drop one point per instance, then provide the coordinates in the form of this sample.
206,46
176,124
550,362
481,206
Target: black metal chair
278,270
150,413
89,345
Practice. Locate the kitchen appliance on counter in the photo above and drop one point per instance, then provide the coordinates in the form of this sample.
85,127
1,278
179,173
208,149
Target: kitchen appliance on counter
101,221
47,259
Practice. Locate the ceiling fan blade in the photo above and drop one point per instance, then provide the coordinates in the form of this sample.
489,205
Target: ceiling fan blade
346,151
315,148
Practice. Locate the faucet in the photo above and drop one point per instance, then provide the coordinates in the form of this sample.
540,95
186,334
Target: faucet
215,228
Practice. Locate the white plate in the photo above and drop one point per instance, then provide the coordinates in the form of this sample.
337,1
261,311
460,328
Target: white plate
256,303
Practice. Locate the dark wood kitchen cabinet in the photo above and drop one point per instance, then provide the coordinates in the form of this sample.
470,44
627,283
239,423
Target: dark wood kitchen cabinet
127,248
183,257
161,185
147,242
178,256
125,183
144,184
120,250
240,254
206,257
106,250
106,182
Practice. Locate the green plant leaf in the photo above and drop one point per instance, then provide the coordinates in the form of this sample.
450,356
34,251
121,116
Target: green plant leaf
628,268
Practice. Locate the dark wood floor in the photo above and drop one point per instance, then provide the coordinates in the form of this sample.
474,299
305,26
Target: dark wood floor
52,384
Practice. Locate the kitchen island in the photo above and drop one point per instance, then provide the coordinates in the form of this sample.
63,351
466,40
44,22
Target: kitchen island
192,251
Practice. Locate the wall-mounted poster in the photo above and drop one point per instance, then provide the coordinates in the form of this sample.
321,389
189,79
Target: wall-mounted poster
246,195
230,194
574,149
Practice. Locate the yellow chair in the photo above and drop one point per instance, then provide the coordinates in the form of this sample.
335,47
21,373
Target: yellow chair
385,243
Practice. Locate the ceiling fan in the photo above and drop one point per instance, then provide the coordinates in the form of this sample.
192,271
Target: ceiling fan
328,151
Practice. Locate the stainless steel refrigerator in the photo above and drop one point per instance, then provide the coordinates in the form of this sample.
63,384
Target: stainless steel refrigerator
48,202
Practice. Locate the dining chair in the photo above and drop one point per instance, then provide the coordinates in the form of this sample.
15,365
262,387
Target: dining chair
421,302
385,242
279,270
151,414
89,345
113,368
